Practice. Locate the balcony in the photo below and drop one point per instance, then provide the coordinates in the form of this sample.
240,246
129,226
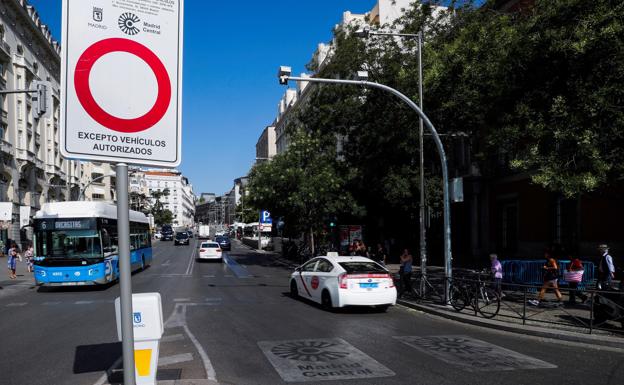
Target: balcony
50,169
6,147
5,51
4,116
25,155
39,163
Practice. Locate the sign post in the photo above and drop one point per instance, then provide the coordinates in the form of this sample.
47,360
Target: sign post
121,93
265,222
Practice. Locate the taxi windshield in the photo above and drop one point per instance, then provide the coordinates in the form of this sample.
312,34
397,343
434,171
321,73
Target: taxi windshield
361,267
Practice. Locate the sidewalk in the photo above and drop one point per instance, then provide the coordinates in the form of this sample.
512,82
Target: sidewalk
23,276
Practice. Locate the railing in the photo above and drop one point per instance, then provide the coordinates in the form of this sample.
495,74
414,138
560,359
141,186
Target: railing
6,147
593,310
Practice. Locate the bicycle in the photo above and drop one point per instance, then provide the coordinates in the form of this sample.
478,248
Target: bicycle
423,288
476,293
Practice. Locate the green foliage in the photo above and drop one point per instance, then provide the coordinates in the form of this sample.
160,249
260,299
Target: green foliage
305,185
163,217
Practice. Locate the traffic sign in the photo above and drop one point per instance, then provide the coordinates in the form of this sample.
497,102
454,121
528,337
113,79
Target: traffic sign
265,217
121,81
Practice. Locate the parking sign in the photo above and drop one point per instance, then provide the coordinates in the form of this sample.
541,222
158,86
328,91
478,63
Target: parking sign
121,81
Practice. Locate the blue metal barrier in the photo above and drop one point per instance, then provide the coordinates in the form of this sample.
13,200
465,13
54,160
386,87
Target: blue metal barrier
531,272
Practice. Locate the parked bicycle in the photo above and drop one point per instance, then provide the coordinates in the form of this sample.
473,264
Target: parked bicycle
476,293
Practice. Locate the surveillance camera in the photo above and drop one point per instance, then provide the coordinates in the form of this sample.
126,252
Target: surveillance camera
283,74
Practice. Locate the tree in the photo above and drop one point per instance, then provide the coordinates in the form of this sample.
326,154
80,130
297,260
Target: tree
161,216
305,185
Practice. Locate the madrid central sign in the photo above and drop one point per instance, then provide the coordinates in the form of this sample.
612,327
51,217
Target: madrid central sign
121,81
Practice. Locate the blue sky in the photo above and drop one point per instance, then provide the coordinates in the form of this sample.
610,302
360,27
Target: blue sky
231,54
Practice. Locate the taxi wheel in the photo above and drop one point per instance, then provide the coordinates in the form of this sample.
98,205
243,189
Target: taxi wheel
326,300
294,292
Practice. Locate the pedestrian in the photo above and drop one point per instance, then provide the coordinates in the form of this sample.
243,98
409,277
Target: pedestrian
380,254
497,274
606,269
551,274
405,272
574,276
12,261
29,255
362,251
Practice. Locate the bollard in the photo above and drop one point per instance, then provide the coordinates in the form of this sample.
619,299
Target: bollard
148,329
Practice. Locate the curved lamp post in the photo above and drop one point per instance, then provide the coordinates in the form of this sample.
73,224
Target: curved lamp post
284,76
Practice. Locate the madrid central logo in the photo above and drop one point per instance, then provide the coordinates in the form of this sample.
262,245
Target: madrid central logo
127,23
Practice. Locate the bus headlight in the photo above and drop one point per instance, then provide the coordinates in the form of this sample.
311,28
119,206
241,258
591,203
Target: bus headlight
93,271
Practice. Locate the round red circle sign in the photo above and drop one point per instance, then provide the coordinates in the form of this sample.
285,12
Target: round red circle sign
315,282
85,96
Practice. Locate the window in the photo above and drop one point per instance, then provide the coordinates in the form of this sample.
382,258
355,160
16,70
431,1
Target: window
324,266
362,267
97,197
309,267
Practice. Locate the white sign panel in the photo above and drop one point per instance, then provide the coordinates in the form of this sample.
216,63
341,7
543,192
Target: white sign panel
6,211
121,81
24,216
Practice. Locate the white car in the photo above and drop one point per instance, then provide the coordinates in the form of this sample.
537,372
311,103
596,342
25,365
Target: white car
210,250
157,235
336,281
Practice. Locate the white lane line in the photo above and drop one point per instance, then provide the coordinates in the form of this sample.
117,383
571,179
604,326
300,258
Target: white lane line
167,263
170,360
189,268
104,378
210,372
182,300
172,338
83,302
17,304
178,319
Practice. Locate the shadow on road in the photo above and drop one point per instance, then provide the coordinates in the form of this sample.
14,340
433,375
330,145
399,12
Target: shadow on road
96,358
338,310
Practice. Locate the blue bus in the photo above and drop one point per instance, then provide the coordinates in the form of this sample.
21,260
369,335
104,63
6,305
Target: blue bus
75,243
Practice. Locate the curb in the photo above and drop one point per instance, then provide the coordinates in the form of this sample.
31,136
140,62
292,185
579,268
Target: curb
591,339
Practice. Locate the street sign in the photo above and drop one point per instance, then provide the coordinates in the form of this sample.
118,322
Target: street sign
265,217
121,81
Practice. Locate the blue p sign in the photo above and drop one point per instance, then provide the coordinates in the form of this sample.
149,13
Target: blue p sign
265,217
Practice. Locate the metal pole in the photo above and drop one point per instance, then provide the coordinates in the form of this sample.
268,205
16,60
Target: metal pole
125,273
69,167
423,239
448,259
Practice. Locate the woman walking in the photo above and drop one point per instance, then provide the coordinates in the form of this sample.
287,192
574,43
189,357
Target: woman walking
497,273
551,274
405,272
29,255
12,261
574,276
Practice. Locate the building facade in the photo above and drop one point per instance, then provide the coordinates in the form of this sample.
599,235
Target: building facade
32,170
181,199
266,146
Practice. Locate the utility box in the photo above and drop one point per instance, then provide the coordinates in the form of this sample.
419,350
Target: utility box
457,190
147,319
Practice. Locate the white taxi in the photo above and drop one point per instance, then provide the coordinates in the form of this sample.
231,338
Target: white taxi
210,250
335,281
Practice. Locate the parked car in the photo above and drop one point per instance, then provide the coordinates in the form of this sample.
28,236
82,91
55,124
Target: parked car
157,235
210,250
182,238
224,242
337,281
167,233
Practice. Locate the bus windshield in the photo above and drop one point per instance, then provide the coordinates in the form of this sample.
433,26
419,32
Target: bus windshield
72,244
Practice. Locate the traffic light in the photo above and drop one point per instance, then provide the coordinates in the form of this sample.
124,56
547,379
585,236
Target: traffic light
43,99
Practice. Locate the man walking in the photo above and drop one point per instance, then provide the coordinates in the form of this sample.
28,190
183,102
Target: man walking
606,269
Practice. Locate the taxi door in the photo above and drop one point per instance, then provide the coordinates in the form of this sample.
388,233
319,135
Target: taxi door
304,280
321,277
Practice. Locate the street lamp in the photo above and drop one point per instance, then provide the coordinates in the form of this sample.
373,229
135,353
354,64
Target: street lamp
84,189
365,33
284,75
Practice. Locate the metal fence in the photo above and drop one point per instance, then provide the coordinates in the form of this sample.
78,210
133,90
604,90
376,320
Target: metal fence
601,310
532,272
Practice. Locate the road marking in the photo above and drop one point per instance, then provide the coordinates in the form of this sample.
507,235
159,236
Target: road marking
235,267
172,338
17,304
182,300
178,319
167,263
170,360
473,355
189,269
323,359
83,302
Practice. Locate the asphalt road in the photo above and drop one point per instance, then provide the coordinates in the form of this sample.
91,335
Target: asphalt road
235,323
